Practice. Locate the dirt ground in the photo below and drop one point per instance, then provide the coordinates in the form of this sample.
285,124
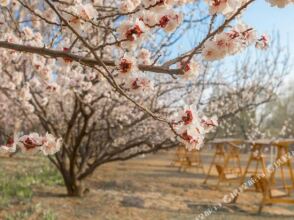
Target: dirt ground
144,188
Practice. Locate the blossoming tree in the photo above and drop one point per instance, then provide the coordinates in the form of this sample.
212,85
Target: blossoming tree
254,84
99,78
279,115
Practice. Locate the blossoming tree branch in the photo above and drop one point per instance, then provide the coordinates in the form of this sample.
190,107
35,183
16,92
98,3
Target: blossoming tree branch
101,79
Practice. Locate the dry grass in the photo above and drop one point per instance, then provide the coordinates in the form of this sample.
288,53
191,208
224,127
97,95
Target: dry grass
143,188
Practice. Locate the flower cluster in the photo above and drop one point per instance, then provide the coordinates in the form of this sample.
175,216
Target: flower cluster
131,33
4,3
232,42
225,7
79,13
128,68
33,143
280,3
128,5
228,7
190,68
142,17
191,129
139,84
126,65
262,42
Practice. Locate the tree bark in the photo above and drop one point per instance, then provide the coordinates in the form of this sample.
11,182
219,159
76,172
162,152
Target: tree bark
74,187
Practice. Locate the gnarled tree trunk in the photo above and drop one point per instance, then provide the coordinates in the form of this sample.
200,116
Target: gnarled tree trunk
74,187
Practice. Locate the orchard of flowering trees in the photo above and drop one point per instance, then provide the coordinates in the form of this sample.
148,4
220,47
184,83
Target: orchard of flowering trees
91,82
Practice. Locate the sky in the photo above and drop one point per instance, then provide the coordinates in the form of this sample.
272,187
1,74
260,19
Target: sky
266,19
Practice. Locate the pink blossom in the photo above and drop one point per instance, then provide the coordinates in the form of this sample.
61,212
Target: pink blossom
262,42
50,145
126,65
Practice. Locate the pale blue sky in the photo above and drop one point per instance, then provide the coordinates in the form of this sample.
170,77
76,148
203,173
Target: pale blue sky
267,19
261,16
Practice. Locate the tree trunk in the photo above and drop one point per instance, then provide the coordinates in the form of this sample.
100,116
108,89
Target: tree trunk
75,190
74,187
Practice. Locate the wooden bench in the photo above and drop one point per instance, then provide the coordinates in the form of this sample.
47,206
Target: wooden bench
269,195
